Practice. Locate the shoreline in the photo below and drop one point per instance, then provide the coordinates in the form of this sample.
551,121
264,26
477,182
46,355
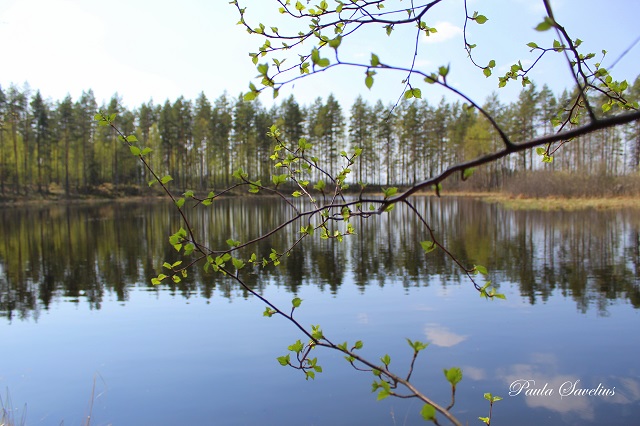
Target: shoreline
507,200
519,202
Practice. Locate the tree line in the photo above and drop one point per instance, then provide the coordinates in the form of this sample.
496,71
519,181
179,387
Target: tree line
46,144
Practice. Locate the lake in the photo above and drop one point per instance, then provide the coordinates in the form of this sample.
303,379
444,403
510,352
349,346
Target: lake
83,331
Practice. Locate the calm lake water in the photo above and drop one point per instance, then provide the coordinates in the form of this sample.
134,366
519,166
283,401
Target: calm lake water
84,332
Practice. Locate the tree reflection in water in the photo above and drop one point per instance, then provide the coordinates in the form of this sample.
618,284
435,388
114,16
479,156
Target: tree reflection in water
80,252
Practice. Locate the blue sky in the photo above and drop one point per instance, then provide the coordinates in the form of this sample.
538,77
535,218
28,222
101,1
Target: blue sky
163,49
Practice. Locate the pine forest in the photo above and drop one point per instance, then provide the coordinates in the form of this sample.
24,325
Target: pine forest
48,145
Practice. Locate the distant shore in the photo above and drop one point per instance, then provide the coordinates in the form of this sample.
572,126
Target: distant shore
519,202
508,200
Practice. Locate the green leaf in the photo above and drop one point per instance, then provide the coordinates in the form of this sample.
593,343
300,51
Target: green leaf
296,302
487,72
166,179
375,61
358,345
417,345
134,150
368,81
386,359
233,243
284,360
316,332
557,46
132,139
467,173
335,43
297,347
428,246
428,412
382,394
481,269
532,45
389,192
322,63
249,96
453,375
481,19
237,263
278,179
180,202
545,25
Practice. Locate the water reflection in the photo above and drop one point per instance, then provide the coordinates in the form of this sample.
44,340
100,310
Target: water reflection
560,392
79,253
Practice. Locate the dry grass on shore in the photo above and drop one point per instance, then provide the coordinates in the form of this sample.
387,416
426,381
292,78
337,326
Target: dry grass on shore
554,203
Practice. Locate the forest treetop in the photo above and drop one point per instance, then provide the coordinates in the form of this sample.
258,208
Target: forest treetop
47,144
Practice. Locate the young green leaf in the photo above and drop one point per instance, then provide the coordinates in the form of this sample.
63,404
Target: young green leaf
284,360
368,81
389,192
428,246
545,25
453,375
481,269
237,263
466,174
428,412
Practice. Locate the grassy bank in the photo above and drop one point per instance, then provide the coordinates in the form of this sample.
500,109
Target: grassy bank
554,203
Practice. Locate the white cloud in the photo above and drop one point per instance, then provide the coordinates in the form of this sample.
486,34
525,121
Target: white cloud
446,31
474,373
441,336
542,373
